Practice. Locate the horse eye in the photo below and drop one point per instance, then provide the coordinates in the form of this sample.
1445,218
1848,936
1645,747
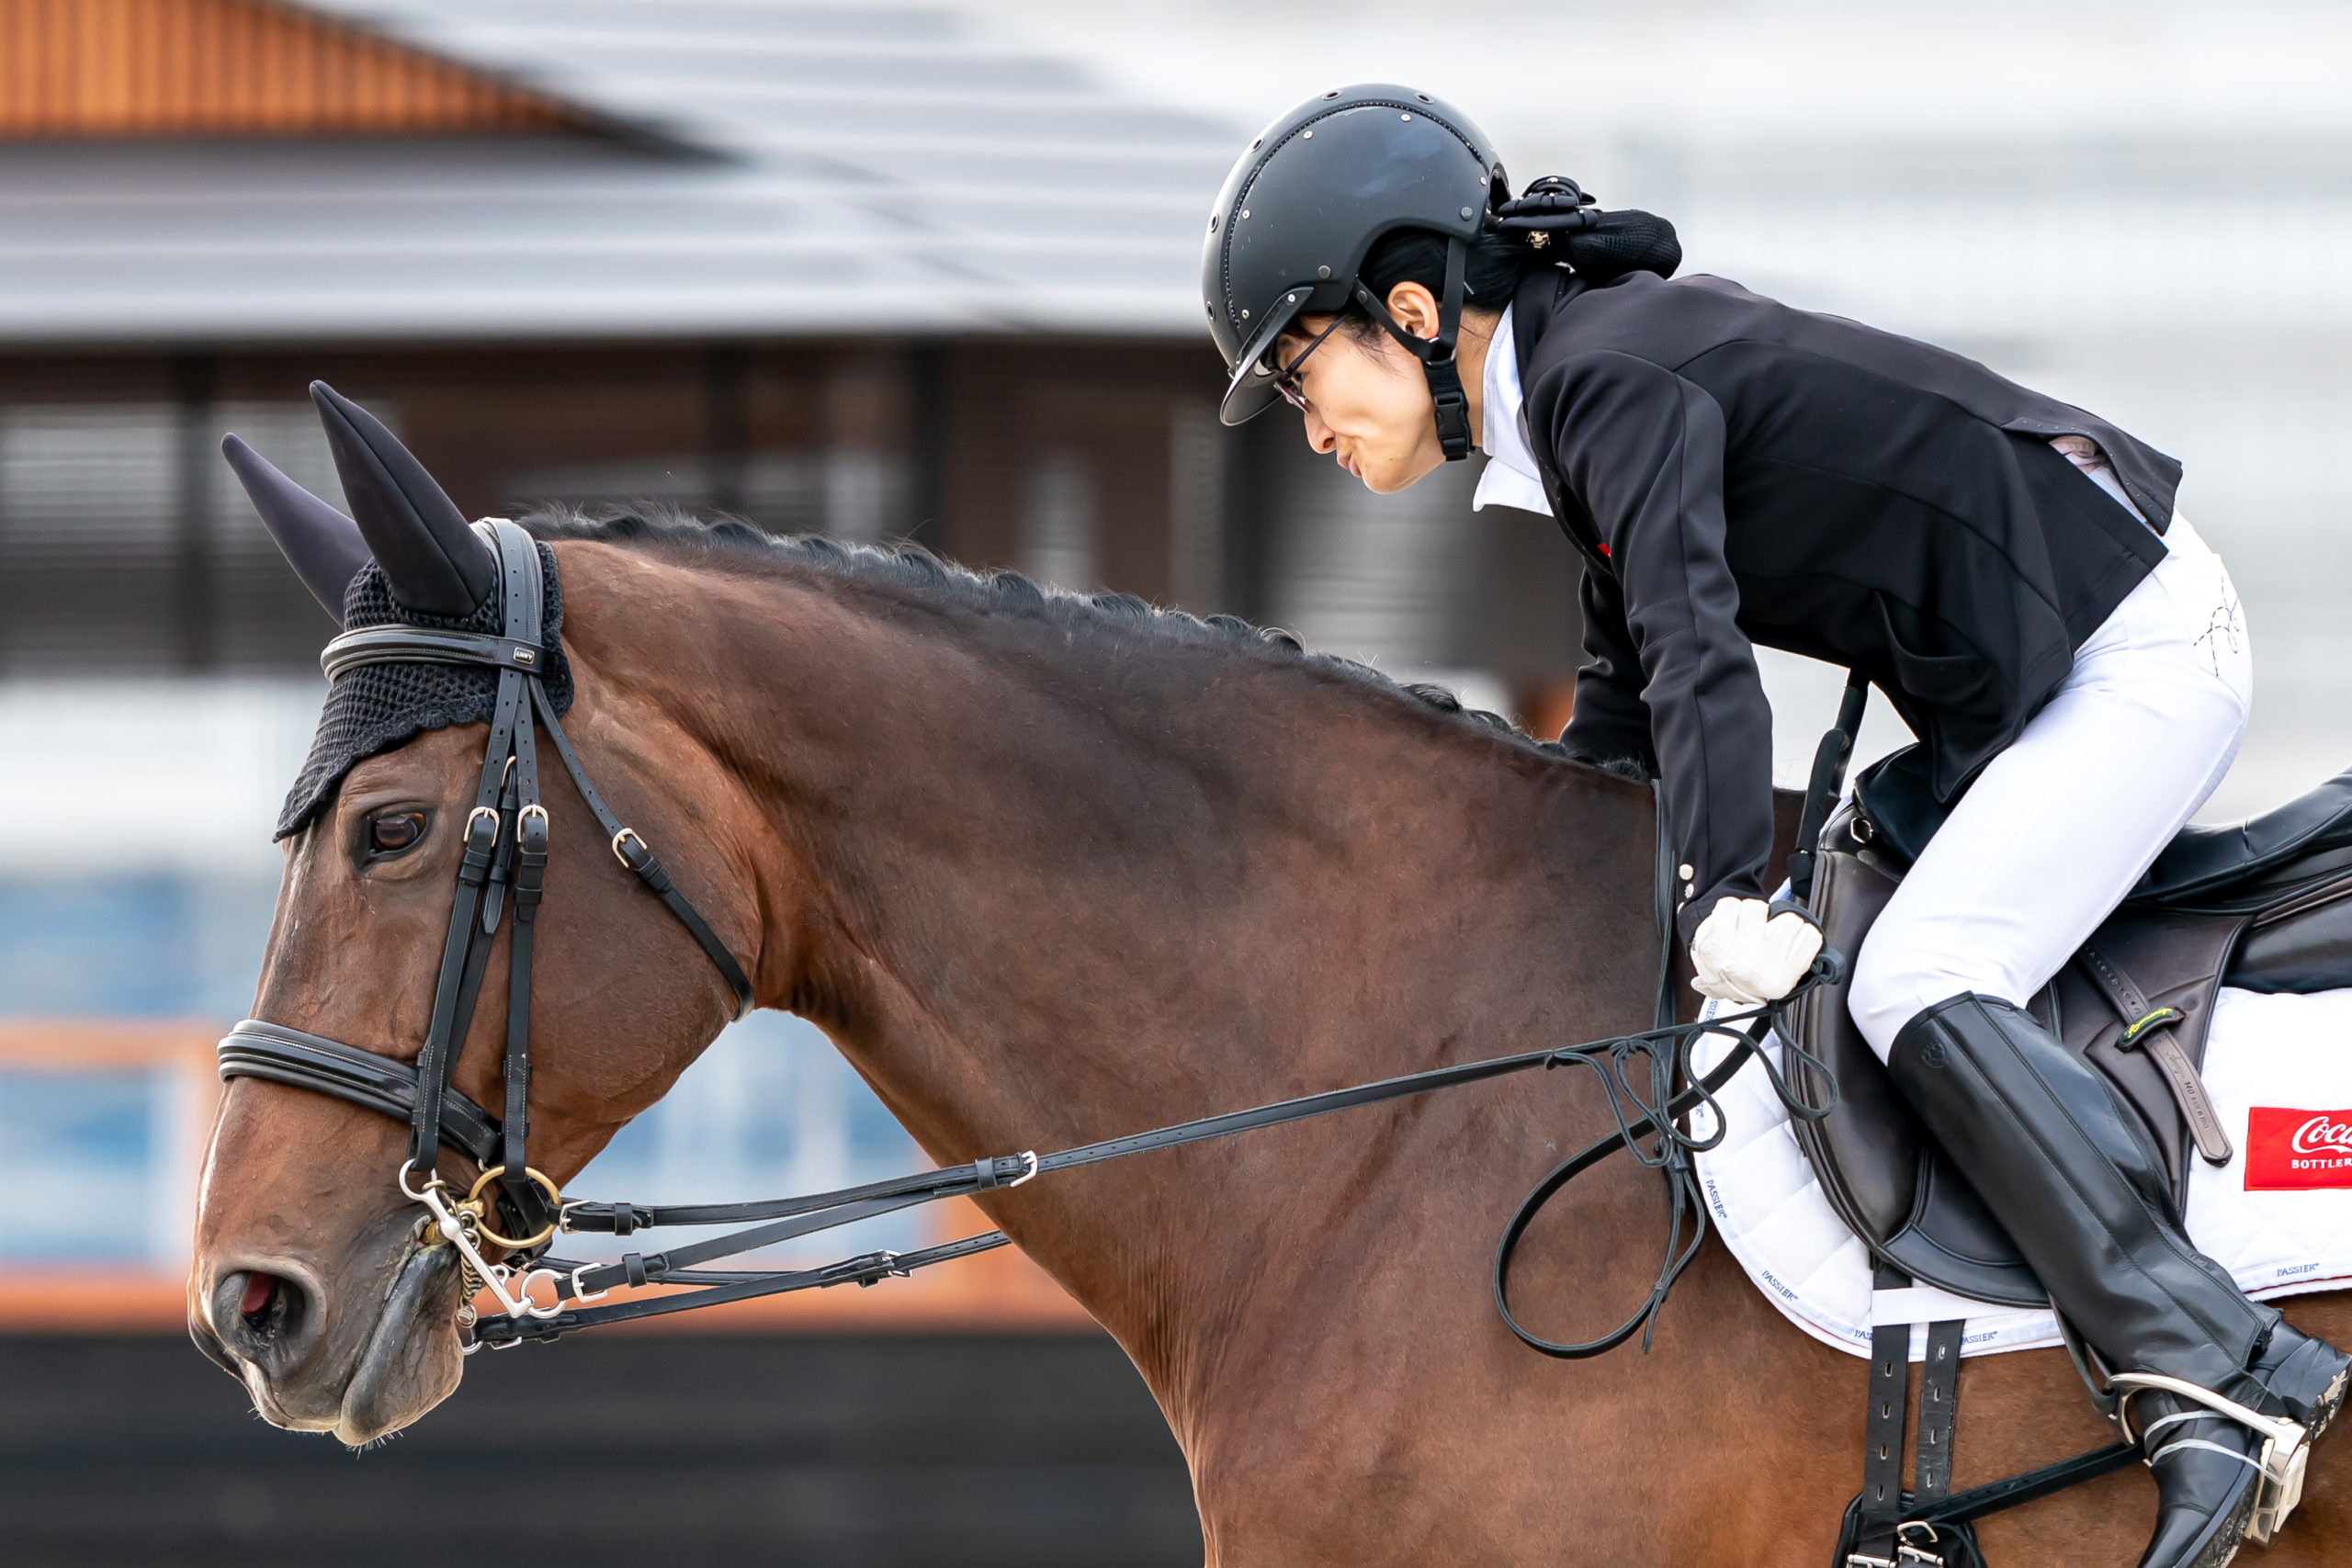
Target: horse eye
395,832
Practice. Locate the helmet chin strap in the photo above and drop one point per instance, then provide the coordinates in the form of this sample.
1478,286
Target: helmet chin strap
1436,355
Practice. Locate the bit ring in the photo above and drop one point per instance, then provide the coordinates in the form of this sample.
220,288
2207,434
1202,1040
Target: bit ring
473,1195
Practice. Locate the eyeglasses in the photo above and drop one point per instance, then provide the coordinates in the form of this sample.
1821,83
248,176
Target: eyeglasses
1286,381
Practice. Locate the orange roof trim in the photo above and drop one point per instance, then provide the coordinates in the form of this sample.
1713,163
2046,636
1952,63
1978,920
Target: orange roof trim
237,68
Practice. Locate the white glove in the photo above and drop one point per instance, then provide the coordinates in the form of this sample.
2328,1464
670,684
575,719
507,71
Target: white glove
1745,957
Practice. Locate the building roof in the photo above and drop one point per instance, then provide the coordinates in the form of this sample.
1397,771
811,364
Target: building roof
75,68
758,168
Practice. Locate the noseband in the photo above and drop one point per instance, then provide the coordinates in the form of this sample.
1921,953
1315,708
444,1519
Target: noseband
503,864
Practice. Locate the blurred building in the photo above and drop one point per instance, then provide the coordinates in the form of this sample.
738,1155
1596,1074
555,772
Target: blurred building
876,271
930,270
2141,205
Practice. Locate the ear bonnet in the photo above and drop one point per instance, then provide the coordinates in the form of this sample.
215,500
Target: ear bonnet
405,556
378,706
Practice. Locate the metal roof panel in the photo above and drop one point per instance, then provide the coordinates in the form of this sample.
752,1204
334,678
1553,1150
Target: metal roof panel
784,168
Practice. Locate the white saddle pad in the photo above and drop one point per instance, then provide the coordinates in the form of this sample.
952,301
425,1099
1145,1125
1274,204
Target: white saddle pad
2290,1057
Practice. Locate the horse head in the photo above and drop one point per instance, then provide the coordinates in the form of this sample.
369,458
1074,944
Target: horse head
315,1281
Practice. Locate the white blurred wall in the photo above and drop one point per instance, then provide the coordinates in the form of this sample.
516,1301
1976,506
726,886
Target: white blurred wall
2144,208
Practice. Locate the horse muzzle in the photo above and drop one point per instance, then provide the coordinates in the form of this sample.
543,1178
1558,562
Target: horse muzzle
362,1366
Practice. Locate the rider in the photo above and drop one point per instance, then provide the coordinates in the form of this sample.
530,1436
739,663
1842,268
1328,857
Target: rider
2009,569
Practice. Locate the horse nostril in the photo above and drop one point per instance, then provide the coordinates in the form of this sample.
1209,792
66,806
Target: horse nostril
270,1307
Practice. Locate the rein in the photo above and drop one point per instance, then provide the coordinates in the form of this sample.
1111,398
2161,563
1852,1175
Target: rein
287,1055
504,860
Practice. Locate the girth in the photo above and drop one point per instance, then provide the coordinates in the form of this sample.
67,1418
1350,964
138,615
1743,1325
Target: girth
501,870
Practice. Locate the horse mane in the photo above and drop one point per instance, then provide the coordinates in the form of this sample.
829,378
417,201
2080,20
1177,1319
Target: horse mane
730,543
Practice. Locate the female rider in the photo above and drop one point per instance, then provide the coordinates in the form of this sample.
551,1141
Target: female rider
2009,570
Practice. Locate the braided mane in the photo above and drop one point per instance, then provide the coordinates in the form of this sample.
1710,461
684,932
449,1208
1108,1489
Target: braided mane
731,545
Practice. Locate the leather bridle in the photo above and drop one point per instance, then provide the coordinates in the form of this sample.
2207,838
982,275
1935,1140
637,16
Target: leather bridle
502,866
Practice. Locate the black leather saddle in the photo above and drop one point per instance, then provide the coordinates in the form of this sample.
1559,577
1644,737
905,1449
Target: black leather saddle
2263,905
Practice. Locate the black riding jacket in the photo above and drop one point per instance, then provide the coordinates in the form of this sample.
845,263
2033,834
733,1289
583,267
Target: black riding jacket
1735,473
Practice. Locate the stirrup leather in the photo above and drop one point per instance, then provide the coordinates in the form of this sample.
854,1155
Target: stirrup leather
2285,1445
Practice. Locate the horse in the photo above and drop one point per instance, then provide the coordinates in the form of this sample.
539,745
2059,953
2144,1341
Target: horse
1047,869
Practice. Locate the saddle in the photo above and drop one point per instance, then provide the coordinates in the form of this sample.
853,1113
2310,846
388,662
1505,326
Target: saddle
2263,906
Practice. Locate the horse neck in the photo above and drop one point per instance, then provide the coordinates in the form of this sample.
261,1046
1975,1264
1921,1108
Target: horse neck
1044,887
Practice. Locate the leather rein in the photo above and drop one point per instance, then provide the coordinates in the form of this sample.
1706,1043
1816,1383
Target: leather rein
503,868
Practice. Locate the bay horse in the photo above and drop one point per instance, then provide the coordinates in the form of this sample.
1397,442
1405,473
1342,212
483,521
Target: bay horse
1049,869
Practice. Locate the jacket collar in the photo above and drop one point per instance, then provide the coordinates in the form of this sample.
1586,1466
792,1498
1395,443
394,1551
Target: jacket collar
1533,309
1511,478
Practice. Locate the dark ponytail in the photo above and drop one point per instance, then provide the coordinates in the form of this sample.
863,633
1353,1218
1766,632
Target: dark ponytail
1553,223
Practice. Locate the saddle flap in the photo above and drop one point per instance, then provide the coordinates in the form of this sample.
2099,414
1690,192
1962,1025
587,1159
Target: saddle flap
2176,960
1867,1151
1880,1171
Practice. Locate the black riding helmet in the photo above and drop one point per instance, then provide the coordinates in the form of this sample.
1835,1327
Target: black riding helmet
1304,206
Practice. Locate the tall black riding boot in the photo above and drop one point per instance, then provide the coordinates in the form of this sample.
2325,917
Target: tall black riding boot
2082,1192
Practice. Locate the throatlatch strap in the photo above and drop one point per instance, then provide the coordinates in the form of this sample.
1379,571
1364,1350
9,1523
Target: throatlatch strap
634,853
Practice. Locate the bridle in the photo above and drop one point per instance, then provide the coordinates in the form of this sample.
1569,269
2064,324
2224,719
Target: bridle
502,866
503,862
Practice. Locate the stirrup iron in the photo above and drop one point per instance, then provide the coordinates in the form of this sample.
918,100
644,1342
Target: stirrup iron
2285,1445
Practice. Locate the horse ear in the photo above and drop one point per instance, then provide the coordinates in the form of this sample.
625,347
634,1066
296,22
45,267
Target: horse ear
322,545
433,560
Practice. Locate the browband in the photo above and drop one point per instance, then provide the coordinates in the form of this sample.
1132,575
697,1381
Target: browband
421,645
257,1049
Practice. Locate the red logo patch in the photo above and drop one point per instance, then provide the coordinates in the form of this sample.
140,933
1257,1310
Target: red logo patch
2286,1150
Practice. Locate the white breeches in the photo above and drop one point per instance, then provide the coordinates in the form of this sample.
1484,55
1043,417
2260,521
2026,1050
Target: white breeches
2058,826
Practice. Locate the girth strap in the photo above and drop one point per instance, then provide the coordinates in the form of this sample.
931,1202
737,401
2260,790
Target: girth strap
1938,1408
1885,1526
1889,1395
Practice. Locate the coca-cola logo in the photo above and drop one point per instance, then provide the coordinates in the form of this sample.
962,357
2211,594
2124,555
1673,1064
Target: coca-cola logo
2289,1148
2323,1133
